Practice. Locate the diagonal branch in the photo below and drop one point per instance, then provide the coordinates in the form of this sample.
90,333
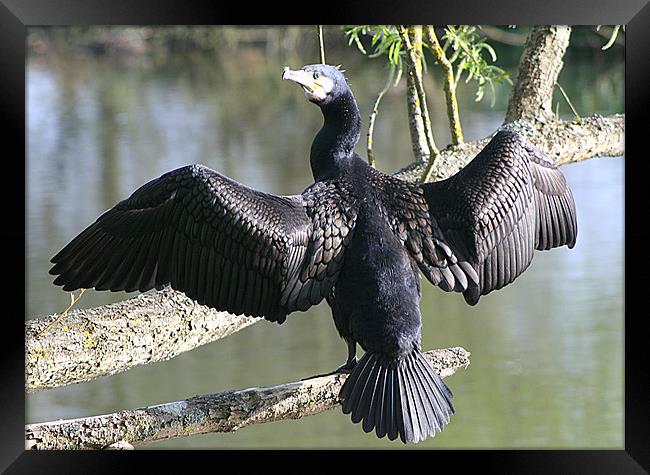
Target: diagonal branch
221,412
564,142
91,343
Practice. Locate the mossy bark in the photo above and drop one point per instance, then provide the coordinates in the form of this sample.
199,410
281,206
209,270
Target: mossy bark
564,142
449,86
88,344
221,412
424,147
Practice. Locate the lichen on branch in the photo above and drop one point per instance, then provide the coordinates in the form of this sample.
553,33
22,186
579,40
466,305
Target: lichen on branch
87,344
221,412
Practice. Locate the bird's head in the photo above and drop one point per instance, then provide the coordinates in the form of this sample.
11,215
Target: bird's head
322,83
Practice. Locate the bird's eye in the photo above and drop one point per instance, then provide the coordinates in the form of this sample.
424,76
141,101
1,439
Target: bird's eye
316,75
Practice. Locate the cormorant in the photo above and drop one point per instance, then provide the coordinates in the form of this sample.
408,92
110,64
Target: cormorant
356,237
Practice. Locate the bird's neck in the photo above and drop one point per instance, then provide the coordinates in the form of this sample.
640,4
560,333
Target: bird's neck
332,148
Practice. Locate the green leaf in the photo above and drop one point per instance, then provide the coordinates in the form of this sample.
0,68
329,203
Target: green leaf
491,51
359,45
376,37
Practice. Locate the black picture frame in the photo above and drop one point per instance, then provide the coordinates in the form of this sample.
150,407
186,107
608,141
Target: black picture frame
17,15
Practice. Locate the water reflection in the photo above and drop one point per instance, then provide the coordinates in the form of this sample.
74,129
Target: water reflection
546,351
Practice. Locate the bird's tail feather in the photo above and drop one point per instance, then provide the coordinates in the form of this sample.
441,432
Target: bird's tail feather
397,396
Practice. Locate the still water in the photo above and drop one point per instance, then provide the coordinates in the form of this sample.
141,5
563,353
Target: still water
546,367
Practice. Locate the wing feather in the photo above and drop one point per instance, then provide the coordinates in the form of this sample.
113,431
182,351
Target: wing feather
405,207
508,201
223,244
556,211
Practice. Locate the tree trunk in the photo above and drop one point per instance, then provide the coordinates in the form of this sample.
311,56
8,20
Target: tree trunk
537,74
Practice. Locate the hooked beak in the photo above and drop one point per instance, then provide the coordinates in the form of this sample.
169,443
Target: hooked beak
304,78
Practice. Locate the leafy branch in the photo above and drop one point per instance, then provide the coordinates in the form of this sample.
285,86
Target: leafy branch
468,50
385,40
464,53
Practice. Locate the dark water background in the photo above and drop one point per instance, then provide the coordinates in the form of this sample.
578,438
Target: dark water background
547,364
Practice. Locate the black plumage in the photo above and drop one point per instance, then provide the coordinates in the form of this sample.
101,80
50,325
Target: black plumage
356,237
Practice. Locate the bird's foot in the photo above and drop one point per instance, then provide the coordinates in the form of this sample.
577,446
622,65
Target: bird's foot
348,366
343,369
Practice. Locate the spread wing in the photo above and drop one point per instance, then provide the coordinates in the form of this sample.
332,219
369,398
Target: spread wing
407,211
508,201
223,244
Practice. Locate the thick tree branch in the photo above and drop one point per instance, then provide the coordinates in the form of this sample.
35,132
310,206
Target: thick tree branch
221,412
565,142
537,73
87,344
568,142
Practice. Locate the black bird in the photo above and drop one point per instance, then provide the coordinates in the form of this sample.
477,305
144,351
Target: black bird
356,237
